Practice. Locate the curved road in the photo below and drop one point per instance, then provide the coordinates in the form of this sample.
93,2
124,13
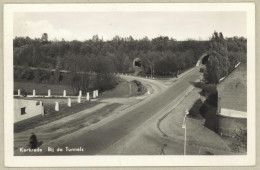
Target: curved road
102,137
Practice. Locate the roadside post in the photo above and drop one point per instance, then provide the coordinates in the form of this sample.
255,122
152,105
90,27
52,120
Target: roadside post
87,98
19,92
49,93
57,106
80,93
34,93
69,102
42,108
64,93
94,94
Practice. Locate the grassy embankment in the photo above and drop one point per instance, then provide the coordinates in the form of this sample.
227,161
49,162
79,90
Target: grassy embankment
125,89
42,89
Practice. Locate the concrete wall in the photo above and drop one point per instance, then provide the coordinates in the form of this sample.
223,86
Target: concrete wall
227,125
32,108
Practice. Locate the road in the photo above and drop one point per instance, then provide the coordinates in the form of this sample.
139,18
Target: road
98,139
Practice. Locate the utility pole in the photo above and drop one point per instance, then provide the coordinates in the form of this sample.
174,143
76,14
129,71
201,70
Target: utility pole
185,130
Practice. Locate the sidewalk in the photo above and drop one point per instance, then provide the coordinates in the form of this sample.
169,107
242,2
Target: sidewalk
198,136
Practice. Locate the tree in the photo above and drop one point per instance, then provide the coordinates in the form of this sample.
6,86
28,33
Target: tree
126,64
75,46
150,59
36,52
95,38
80,75
218,63
160,56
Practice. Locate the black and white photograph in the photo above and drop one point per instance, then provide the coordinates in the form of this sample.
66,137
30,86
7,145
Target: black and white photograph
103,80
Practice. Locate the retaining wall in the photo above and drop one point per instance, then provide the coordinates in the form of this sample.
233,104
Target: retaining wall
226,126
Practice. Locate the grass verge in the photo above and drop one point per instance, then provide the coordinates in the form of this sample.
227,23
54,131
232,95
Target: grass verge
123,89
42,89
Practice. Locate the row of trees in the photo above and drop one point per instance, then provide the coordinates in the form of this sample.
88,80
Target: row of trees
161,55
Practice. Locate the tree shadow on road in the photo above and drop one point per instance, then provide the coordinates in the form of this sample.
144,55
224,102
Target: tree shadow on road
197,84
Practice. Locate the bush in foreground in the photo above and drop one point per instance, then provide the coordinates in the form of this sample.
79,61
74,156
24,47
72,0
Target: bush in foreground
194,112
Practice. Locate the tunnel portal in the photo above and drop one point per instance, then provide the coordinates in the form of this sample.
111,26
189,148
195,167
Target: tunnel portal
205,59
137,62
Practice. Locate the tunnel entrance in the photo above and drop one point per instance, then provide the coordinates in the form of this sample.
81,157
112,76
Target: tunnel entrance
205,59
137,62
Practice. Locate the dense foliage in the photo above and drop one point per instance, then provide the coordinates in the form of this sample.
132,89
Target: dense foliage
160,56
224,54
240,143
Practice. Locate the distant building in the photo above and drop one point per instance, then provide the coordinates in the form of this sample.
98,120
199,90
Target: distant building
232,102
24,109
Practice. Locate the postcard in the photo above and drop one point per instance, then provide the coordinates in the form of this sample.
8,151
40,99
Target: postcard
129,84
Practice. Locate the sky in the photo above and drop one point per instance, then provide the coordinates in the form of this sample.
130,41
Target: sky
83,25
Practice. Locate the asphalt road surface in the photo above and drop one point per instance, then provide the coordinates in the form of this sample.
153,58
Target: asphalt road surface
102,137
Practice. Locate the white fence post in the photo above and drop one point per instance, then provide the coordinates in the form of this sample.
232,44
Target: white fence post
80,93
87,98
19,92
94,94
69,102
64,93
34,93
42,108
57,108
49,93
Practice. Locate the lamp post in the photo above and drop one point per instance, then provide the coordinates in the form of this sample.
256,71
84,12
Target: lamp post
185,130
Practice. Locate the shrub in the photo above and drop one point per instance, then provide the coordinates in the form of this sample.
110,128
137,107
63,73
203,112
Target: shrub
240,135
209,89
204,109
195,109
105,82
139,86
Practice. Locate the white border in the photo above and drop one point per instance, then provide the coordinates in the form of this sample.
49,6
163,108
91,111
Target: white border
97,161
